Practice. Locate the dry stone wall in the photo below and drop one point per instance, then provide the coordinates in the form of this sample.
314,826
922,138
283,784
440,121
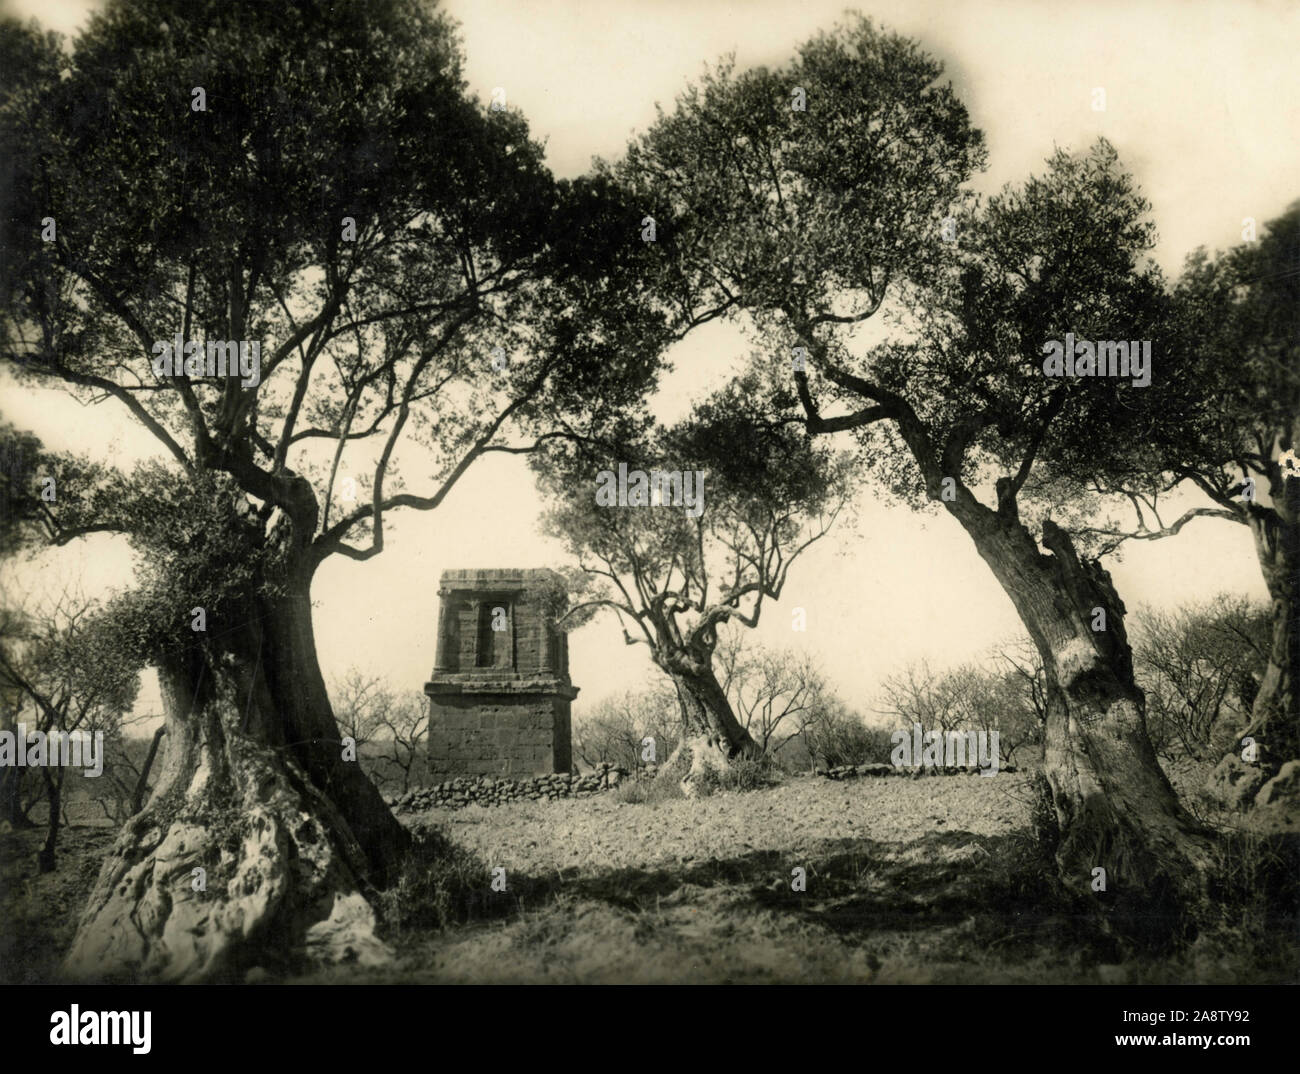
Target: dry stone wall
458,793
854,771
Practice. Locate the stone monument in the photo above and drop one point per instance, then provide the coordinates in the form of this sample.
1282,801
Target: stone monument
499,695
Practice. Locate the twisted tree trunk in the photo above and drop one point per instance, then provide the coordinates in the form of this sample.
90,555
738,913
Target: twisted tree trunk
260,843
1275,714
712,737
1115,808
1262,774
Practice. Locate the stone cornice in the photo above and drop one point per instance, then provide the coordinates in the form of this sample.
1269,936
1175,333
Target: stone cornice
469,683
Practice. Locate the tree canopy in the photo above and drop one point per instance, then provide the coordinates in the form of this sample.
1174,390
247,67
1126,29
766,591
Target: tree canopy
408,267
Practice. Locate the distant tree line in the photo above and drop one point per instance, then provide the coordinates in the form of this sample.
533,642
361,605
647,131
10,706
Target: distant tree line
1200,665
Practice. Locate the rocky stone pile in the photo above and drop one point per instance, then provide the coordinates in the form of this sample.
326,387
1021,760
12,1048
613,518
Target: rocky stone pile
852,771
483,790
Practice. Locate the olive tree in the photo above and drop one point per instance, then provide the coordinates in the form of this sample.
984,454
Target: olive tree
285,242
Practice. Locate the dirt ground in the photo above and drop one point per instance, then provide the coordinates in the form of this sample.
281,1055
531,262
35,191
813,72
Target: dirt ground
38,912
702,889
799,821
906,881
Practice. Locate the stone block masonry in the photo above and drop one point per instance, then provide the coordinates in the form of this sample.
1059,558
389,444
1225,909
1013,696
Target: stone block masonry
499,695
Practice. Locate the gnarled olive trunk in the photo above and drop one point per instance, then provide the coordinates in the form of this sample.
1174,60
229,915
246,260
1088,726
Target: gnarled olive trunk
712,737
260,843
1275,715
1116,809
1262,774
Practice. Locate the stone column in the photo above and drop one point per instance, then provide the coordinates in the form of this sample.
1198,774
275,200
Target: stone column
546,649
447,657
476,659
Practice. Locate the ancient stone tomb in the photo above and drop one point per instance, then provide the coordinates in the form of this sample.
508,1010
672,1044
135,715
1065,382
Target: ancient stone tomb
499,695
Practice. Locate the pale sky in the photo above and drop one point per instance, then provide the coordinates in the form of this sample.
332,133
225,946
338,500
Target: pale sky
1202,103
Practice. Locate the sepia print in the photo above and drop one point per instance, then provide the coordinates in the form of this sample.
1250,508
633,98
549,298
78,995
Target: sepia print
648,493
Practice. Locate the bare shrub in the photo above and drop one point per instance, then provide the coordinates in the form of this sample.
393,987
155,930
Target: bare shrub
649,791
616,727
440,884
388,727
749,774
1009,699
838,736
776,693
1199,665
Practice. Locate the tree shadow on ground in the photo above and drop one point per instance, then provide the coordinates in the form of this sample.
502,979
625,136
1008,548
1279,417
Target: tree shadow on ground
859,888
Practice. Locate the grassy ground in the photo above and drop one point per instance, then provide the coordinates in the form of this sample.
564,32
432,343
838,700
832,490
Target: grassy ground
931,880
